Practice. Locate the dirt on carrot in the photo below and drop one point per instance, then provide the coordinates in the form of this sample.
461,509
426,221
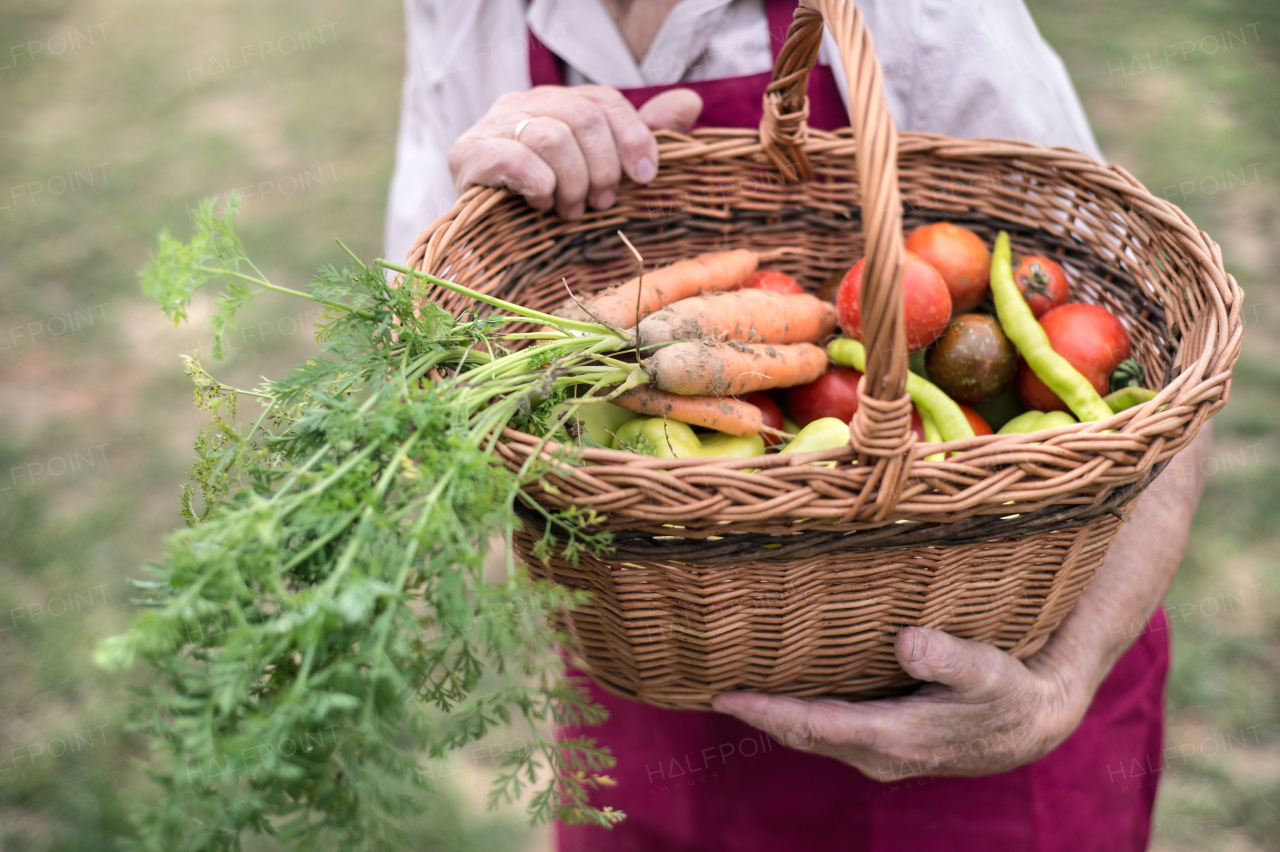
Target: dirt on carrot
706,273
751,316
731,369
723,414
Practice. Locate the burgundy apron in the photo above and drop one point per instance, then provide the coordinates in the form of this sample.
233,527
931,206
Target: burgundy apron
730,101
704,782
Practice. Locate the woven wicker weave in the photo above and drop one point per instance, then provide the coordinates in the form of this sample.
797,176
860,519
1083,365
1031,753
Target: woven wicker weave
778,575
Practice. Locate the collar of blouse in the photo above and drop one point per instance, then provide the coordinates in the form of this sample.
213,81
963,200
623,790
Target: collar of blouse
700,39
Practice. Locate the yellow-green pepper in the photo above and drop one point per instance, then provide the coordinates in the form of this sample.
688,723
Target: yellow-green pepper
826,433
598,421
670,439
932,435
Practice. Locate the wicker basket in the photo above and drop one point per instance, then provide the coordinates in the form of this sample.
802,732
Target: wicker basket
772,574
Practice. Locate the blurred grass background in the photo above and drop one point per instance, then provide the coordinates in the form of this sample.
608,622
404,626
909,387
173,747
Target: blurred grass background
116,117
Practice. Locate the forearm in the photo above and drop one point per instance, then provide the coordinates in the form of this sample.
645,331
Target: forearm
1132,580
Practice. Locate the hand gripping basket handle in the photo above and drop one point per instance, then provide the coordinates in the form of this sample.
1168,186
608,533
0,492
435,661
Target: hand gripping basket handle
881,430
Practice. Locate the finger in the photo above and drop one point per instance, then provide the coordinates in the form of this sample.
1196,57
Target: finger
594,135
485,161
554,142
976,670
674,109
786,719
637,148
829,726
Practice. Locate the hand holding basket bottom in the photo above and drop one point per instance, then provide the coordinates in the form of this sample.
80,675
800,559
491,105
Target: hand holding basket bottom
1021,710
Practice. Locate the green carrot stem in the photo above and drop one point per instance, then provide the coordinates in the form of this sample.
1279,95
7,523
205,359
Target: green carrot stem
511,307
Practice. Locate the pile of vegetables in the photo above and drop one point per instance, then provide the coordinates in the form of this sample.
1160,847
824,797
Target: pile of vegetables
734,351
323,621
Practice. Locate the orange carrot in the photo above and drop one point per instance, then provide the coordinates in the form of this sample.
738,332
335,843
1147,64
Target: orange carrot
732,369
732,416
705,273
752,316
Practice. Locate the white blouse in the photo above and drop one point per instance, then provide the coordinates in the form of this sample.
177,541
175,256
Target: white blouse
959,67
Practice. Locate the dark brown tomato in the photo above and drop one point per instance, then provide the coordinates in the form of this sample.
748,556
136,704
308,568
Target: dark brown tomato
972,361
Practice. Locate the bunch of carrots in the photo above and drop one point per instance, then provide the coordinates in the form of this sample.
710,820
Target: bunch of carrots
712,333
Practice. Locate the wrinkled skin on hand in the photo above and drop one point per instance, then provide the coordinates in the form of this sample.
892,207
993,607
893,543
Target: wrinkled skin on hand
574,148
982,711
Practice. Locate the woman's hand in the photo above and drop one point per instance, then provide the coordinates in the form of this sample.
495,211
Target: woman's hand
984,711
573,145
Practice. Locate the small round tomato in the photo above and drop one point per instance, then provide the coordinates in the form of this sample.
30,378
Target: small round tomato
961,258
771,279
925,300
770,413
1090,338
976,423
1042,283
833,394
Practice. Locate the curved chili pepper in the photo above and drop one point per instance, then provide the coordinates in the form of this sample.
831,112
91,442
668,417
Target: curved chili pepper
932,434
925,394
1036,421
1021,327
1128,397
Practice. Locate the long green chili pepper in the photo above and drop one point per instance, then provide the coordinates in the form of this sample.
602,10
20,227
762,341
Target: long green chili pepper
927,396
1021,327
1036,421
932,434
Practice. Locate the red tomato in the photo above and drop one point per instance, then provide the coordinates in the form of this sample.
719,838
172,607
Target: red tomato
961,258
771,279
917,425
1090,338
770,413
833,394
925,300
1042,283
976,422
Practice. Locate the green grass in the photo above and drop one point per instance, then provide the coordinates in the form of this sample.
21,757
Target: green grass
132,112
161,136
1191,122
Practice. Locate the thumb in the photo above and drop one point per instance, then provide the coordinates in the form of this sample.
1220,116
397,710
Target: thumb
674,109
973,669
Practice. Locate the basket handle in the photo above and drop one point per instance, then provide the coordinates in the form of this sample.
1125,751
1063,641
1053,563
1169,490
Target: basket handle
881,430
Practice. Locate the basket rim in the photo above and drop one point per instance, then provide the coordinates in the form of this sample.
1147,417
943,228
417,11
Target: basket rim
1140,436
